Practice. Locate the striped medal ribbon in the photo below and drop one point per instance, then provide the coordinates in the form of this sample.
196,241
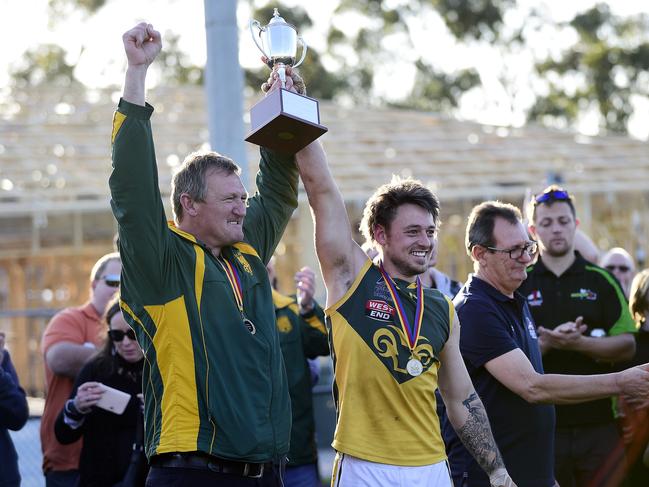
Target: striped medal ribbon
235,283
414,365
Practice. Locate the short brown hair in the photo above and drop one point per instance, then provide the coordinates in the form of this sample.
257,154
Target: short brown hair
190,178
480,225
382,206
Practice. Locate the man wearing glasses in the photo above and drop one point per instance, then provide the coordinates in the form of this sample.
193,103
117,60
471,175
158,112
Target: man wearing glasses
619,263
499,344
584,325
70,339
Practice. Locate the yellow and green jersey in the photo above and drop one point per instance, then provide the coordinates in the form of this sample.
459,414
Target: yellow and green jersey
210,384
385,414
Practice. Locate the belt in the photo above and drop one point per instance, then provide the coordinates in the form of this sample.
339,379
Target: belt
200,461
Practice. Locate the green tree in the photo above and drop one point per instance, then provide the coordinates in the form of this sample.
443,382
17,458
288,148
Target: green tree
609,64
44,64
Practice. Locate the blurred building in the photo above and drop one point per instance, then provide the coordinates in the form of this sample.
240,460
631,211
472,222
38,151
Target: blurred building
55,217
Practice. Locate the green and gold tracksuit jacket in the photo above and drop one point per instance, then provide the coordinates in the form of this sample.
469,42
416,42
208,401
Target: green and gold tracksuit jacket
301,337
210,385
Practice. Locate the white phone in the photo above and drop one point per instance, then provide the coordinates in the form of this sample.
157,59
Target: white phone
113,400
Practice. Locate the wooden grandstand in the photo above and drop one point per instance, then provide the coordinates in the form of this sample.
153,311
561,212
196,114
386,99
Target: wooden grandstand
55,162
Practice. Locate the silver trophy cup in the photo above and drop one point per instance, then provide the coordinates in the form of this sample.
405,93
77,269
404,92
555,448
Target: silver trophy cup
279,43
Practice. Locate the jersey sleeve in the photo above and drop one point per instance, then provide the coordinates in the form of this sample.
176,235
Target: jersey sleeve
273,204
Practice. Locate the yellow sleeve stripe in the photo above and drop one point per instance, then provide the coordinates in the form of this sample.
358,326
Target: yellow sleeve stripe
246,248
118,120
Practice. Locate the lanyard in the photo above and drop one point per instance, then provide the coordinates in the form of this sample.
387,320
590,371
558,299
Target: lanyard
234,281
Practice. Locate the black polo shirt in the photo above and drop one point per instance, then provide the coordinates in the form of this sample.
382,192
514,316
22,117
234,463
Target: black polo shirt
587,290
493,324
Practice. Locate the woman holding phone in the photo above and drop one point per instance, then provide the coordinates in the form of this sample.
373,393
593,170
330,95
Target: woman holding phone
112,443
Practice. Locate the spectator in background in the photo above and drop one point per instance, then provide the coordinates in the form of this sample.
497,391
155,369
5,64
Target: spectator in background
619,263
109,439
70,339
584,326
13,416
586,247
436,279
302,336
635,422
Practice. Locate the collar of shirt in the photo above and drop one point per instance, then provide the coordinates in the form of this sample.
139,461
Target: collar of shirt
476,283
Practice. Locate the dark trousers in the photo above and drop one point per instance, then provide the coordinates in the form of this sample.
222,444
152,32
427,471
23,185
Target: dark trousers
588,456
64,478
189,477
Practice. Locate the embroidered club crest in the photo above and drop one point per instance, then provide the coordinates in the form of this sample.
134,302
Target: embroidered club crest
535,298
244,263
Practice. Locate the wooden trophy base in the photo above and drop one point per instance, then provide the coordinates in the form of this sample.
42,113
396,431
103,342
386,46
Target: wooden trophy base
285,122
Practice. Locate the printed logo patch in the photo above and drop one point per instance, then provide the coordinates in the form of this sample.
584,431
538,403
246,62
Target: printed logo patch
535,298
584,294
377,309
530,328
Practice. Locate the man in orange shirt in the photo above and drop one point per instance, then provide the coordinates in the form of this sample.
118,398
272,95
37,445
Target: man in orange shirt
70,339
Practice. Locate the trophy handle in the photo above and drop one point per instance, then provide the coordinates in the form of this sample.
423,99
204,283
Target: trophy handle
254,23
304,48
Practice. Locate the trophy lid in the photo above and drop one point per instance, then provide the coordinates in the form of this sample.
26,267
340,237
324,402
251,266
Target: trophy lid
278,21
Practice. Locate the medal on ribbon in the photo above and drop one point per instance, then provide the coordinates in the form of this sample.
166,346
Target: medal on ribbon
414,365
235,283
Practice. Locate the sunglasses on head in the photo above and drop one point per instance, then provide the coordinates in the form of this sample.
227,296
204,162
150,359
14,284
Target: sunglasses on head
118,335
621,268
553,195
111,280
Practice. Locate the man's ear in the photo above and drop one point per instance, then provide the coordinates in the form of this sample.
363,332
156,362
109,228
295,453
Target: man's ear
379,234
477,253
532,229
188,204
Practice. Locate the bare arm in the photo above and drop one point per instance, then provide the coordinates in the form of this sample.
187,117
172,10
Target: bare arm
466,411
142,44
67,358
514,371
340,257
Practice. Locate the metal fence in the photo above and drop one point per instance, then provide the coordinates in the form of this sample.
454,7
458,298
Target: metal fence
28,445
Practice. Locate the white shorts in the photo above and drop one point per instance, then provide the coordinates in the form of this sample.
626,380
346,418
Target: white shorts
350,471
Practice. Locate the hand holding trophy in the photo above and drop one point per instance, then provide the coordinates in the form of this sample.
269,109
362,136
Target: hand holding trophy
283,121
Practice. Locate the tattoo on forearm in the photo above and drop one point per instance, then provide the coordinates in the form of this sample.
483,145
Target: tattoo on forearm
476,435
